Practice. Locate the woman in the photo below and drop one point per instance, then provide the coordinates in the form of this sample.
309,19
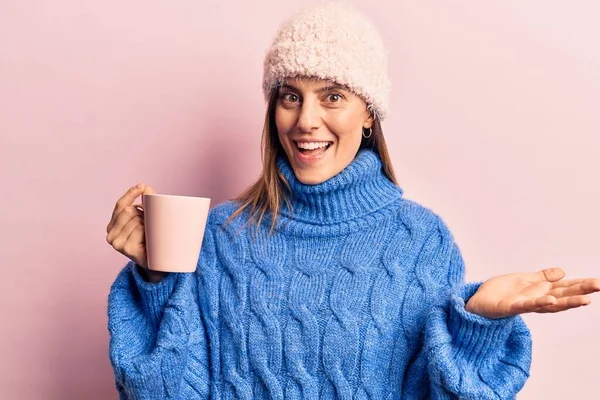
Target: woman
321,280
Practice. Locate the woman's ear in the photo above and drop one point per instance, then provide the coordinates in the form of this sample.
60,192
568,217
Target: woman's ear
370,118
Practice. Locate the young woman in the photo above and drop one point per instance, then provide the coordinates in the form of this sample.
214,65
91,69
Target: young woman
322,281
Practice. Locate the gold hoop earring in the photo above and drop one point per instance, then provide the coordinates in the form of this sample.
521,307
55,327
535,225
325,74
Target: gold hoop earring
370,133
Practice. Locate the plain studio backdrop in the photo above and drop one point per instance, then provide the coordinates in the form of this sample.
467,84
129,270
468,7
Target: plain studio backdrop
494,126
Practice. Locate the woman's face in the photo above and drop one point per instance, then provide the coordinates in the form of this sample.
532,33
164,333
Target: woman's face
320,127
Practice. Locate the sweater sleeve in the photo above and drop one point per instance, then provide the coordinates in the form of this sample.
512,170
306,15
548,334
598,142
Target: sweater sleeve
464,355
158,345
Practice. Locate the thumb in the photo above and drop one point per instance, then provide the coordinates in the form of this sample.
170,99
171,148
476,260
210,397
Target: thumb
149,190
550,274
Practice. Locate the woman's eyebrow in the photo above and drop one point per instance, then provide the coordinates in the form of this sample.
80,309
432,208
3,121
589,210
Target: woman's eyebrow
327,88
288,86
322,89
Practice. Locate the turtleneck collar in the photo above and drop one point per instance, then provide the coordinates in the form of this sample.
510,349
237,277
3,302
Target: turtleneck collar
357,191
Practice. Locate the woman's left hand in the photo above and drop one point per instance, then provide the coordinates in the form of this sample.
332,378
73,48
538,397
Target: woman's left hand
541,292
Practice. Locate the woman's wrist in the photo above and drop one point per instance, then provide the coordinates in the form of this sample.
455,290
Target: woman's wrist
149,275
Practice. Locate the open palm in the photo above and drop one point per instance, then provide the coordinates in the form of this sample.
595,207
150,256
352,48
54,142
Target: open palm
541,292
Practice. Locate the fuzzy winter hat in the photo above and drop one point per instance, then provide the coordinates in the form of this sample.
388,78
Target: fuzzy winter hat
331,41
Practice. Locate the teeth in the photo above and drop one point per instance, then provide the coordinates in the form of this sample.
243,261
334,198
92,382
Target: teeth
312,145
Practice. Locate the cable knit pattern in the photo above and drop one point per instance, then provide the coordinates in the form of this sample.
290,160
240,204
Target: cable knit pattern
266,294
349,294
358,294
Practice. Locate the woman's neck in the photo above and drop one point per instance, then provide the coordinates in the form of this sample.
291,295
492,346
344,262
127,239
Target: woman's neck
359,190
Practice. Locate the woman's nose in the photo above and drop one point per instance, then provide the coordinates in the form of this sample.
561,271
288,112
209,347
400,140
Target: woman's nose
310,116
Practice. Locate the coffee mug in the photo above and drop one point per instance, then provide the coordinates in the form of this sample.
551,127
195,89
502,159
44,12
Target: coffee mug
174,228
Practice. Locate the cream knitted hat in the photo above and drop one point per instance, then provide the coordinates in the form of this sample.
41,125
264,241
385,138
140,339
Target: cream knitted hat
331,41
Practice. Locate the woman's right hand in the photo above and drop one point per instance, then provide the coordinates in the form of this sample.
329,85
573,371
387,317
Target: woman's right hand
125,231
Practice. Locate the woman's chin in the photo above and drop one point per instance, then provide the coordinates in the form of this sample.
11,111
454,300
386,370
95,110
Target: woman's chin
311,177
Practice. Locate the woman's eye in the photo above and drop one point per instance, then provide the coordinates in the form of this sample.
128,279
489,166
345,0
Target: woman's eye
334,97
290,97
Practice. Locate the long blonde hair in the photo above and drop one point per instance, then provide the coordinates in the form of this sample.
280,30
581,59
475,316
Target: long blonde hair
271,188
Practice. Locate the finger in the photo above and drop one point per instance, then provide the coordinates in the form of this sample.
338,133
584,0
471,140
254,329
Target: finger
592,284
551,274
122,220
530,305
126,200
585,286
129,231
137,234
120,240
566,283
134,241
566,304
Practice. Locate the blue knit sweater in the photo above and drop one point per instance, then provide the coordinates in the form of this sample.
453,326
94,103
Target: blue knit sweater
359,294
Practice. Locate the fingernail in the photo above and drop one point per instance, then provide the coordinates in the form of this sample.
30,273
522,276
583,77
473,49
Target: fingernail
139,186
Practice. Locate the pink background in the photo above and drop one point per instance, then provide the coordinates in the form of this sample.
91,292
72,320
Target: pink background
494,125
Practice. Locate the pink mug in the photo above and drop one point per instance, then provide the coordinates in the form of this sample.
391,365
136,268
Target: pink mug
174,228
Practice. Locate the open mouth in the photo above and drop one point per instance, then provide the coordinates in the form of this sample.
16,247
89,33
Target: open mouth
312,148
